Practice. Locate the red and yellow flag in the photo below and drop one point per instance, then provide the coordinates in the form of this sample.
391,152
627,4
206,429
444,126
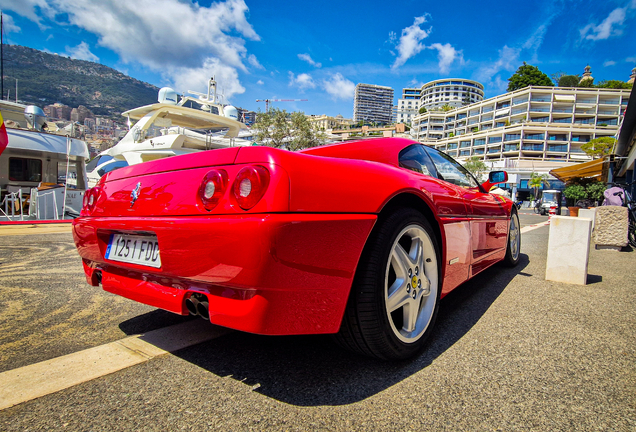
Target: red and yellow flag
4,138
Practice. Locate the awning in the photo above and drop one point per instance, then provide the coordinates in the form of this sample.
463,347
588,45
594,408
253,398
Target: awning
591,169
563,98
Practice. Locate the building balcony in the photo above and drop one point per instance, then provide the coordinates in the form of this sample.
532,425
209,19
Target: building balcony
532,147
563,148
511,147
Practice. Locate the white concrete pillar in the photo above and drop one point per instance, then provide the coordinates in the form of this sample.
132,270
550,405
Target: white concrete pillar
568,249
588,214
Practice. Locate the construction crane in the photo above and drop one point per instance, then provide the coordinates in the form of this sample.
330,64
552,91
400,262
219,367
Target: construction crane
267,101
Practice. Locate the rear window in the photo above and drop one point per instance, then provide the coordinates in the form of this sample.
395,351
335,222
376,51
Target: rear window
414,157
111,167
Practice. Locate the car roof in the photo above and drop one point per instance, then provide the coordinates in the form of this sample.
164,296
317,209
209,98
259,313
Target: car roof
384,150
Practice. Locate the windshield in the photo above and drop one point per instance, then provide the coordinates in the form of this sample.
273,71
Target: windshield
549,196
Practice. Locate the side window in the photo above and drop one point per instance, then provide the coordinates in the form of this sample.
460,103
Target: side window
414,157
450,170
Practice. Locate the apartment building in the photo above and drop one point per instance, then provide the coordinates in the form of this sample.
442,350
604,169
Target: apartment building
540,123
373,103
325,122
455,92
408,106
534,129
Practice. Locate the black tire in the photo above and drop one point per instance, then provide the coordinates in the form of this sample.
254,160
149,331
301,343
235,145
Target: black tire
631,232
390,263
513,248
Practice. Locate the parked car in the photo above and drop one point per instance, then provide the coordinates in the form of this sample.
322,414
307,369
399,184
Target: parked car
359,239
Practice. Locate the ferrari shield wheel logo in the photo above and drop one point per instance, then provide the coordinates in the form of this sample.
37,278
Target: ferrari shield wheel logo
135,194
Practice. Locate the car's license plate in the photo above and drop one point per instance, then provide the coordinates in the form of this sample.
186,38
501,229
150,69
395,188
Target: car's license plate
135,249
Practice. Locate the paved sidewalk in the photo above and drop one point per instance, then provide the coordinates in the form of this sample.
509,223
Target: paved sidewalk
510,351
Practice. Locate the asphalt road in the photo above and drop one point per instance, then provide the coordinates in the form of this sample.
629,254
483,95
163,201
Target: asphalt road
510,351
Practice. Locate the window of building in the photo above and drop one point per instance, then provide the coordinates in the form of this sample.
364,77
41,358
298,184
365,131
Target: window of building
22,169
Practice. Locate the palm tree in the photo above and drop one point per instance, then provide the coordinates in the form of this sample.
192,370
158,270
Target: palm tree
536,180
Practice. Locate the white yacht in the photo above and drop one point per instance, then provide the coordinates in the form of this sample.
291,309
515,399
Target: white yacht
42,175
173,127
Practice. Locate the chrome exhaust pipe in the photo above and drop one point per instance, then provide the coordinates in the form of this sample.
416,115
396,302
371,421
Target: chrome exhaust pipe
191,304
202,309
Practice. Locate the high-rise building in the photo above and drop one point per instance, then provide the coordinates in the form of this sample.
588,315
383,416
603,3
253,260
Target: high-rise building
408,105
533,129
373,103
455,92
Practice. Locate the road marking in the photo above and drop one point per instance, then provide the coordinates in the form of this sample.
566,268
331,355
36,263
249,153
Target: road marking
24,229
50,376
527,228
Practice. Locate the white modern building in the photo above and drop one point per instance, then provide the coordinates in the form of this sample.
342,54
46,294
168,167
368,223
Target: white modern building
455,92
534,129
373,103
408,105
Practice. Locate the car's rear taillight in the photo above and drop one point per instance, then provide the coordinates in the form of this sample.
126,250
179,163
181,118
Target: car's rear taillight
250,185
212,188
88,202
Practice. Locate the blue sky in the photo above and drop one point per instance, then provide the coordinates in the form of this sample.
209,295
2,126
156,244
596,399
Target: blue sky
320,50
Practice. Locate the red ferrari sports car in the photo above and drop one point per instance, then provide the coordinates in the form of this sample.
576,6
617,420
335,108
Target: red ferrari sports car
359,239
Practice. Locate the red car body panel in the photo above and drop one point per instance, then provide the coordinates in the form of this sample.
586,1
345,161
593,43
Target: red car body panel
285,266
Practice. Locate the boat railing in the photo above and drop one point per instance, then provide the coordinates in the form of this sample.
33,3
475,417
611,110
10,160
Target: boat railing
41,205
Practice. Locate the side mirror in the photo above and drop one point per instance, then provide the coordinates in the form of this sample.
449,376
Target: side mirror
495,177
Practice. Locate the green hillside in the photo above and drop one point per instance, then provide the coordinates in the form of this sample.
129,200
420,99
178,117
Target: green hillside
45,78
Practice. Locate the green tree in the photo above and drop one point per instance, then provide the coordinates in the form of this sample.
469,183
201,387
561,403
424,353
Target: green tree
614,84
477,168
599,147
422,110
595,190
528,75
292,131
569,81
446,107
555,77
536,180
574,193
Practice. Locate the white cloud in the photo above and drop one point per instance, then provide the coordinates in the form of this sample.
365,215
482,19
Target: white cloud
164,35
609,63
254,61
446,55
307,58
196,79
630,59
302,81
8,25
339,87
260,82
610,26
81,52
25,8
508,59
410,39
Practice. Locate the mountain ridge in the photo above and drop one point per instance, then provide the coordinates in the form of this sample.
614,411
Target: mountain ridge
45,78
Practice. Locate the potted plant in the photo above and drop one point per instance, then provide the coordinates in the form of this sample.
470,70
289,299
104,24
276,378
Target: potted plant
595,191
574,193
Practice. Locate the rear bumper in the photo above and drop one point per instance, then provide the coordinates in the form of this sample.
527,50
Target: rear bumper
268,274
